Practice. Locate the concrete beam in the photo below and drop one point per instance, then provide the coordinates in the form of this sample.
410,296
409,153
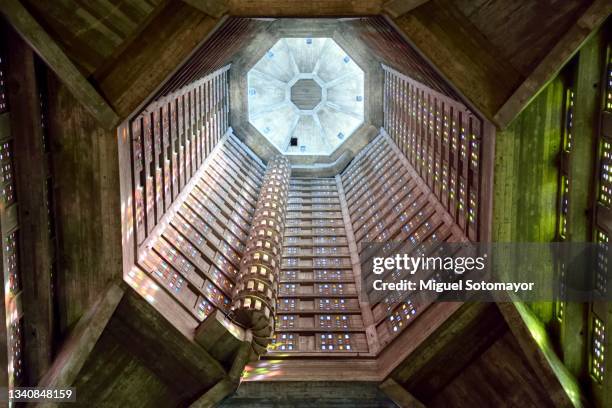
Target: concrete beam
230,383
397,8
77,348
477,65
309,393
477,324
214,8
218,335
399,395
215,330
282,8
415,335
552,63
150,59
141,352
322,169
55,58
215,395
323,368
562,387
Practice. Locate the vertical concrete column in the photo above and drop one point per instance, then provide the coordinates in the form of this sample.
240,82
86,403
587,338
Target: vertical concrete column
255,294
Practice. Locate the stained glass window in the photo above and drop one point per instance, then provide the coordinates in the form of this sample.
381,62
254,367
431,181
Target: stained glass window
598,341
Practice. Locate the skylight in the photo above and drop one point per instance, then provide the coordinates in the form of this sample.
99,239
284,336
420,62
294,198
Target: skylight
306,96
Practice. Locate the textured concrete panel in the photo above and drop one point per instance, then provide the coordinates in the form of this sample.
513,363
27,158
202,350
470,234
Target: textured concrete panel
308,394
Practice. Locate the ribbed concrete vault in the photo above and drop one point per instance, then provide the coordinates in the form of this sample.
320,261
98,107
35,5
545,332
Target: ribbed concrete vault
171,240
306,96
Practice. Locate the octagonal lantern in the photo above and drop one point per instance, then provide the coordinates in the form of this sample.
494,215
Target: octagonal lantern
306,96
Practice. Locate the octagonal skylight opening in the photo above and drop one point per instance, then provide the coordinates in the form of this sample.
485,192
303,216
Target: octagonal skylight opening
306,96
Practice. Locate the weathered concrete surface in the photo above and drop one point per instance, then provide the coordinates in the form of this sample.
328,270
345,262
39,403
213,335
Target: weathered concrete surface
308,394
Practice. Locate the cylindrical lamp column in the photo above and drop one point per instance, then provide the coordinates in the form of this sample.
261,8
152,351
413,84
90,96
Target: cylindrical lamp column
255,293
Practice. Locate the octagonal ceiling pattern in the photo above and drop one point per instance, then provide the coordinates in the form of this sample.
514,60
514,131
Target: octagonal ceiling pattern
306,96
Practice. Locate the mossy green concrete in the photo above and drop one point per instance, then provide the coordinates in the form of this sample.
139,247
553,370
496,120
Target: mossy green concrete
526,189
526,180
574,328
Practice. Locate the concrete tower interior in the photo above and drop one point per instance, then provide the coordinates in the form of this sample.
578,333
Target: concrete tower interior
192,193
